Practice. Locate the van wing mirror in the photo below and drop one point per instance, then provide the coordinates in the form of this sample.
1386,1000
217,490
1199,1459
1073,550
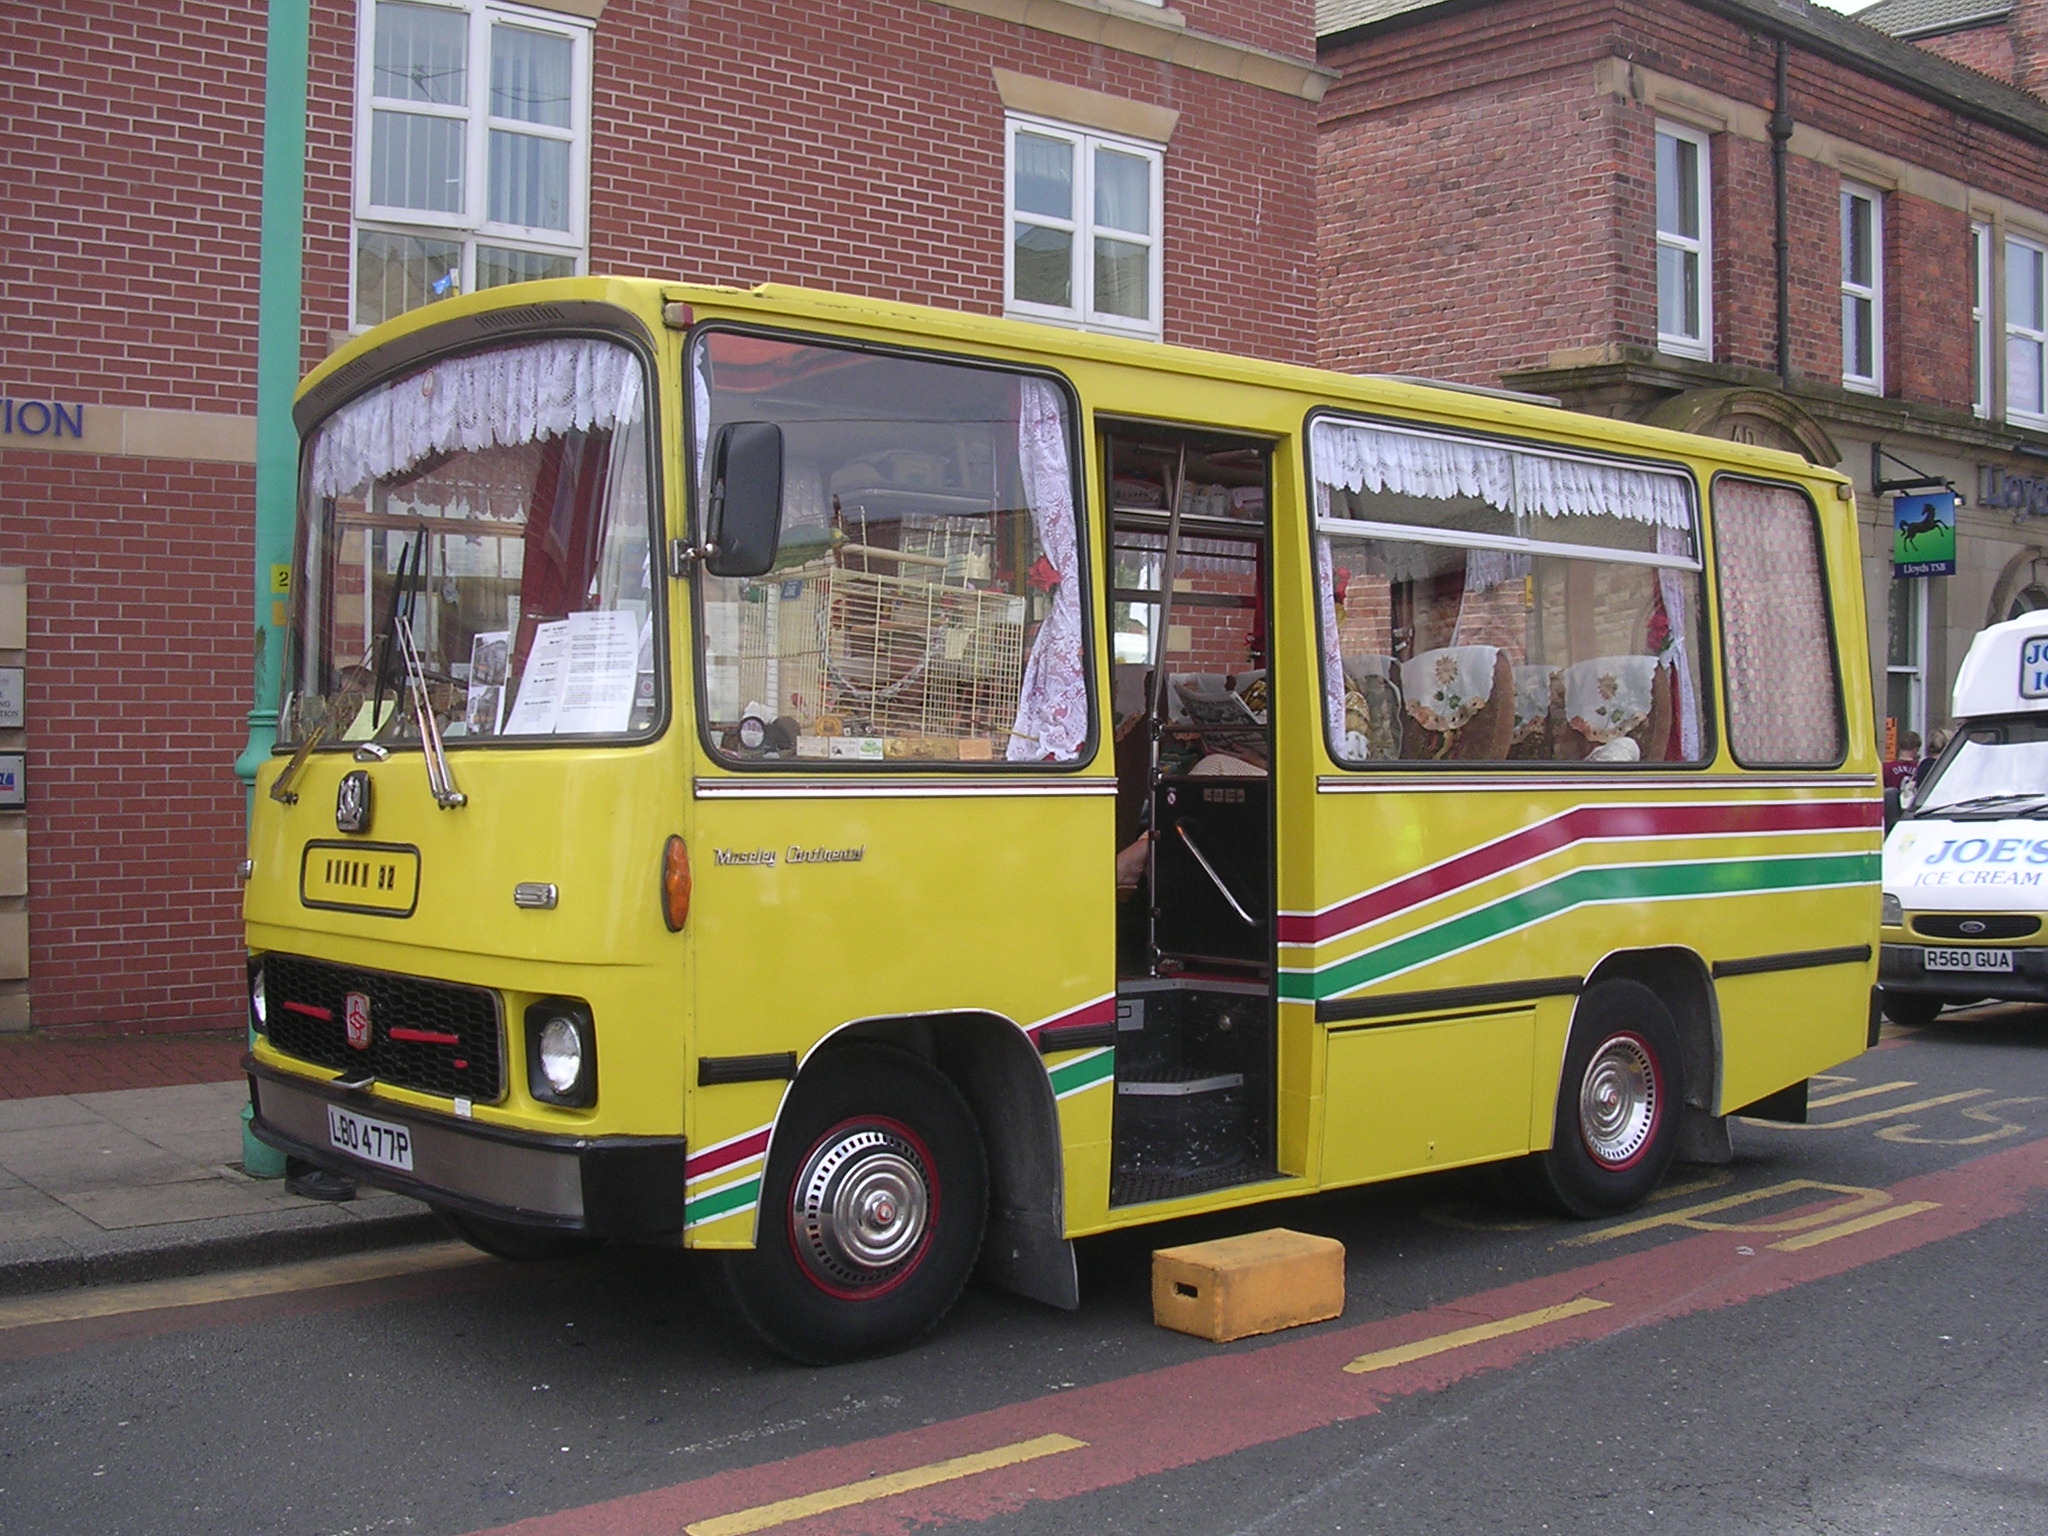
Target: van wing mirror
743,512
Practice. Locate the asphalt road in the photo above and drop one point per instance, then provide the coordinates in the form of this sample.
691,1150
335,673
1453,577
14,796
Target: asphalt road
1842,1332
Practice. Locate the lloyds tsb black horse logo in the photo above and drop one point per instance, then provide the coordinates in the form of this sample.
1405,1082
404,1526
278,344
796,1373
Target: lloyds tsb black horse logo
1927,522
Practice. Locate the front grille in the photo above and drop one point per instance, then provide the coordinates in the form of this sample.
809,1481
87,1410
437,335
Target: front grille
1984,925
430,1036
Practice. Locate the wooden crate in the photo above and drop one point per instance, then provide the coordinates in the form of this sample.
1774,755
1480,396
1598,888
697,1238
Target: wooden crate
1239,1286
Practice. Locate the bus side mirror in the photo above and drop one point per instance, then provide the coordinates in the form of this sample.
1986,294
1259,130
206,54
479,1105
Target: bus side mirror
743,512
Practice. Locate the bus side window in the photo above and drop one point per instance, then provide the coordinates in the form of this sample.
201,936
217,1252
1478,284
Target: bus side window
1570,634
1784,688
925,601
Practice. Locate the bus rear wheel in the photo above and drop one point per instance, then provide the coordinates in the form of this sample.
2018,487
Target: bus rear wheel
1911,1009
1617,1104
871,1212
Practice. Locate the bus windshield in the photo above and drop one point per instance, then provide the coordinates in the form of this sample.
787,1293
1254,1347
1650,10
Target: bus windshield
1995,767
496,505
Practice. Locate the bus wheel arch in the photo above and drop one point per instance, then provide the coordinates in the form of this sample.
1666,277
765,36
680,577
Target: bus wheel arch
872,1208
1685,986
1625,1089
998,1070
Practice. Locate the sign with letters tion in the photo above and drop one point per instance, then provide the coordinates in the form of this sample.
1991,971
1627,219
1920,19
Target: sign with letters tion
10,698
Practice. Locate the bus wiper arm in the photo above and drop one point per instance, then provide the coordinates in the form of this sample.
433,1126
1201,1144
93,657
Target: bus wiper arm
440,779
283,788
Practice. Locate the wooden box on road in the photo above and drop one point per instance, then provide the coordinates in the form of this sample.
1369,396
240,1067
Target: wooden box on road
1239,1286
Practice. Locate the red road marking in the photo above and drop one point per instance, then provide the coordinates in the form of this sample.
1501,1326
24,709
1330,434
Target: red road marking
1160,1420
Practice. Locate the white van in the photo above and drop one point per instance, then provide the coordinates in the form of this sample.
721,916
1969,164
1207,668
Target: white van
1966,868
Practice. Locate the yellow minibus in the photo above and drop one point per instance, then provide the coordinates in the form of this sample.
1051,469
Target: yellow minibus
880,793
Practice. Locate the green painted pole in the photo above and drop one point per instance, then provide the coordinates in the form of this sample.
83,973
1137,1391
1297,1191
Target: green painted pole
278,308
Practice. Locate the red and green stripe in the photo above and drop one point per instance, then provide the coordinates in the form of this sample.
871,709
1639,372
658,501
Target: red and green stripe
1582,823
1590,886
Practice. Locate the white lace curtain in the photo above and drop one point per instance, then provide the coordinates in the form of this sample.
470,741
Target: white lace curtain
504,397
1353,457
1052,704
1349,456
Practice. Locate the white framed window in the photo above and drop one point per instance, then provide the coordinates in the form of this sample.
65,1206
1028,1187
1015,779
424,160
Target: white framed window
1980,319
2026,332
1685,243
472,150
1083,210
1862,289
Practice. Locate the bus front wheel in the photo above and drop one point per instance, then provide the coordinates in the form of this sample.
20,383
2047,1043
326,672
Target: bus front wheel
1617,1104
871,1211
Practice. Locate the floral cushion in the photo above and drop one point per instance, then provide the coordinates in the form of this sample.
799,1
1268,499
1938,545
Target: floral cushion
1445,688
1609,696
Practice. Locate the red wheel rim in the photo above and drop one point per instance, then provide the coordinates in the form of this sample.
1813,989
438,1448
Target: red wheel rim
863,1207
1621,1102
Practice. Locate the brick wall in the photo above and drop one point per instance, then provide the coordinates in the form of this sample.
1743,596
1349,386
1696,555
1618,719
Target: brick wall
861,148
1988,50
134,155
2028,29
134,159
1927,355
138,682
1483,203
1469,234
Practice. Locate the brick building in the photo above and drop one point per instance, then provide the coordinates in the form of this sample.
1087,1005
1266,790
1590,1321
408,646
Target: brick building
1114,164
1589,199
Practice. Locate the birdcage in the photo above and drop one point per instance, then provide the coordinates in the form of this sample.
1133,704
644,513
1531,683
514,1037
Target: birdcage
917,662
920,660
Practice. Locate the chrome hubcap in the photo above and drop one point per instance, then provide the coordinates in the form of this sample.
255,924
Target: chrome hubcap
861,1206
1618,1101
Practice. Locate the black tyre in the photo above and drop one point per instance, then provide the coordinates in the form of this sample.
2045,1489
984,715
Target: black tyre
510,1240
871,1211
1911,1008
1617,1104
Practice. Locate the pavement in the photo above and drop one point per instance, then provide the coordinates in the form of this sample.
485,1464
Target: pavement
120,1161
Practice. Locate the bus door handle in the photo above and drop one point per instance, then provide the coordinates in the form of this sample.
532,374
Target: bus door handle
1181,831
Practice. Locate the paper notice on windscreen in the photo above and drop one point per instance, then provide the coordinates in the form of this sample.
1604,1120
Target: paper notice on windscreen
579,677
540,686
597,676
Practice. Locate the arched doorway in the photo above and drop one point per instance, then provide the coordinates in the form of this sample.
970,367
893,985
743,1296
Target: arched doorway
1760,416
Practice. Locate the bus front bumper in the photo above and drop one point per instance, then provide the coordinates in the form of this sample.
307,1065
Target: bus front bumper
1902,969
604,1186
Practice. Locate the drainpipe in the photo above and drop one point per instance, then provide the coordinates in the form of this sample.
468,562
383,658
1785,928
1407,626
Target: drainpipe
1781,140
278,308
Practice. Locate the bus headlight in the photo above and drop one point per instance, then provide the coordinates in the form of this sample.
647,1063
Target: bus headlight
561,1053
258,1013
1893,914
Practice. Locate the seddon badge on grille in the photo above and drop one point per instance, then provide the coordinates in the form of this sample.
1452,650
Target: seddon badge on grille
355,1014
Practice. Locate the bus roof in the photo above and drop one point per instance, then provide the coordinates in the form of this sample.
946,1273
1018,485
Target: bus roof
922,324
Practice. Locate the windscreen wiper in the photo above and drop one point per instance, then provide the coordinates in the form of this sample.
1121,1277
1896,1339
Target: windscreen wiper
408,582
440,779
